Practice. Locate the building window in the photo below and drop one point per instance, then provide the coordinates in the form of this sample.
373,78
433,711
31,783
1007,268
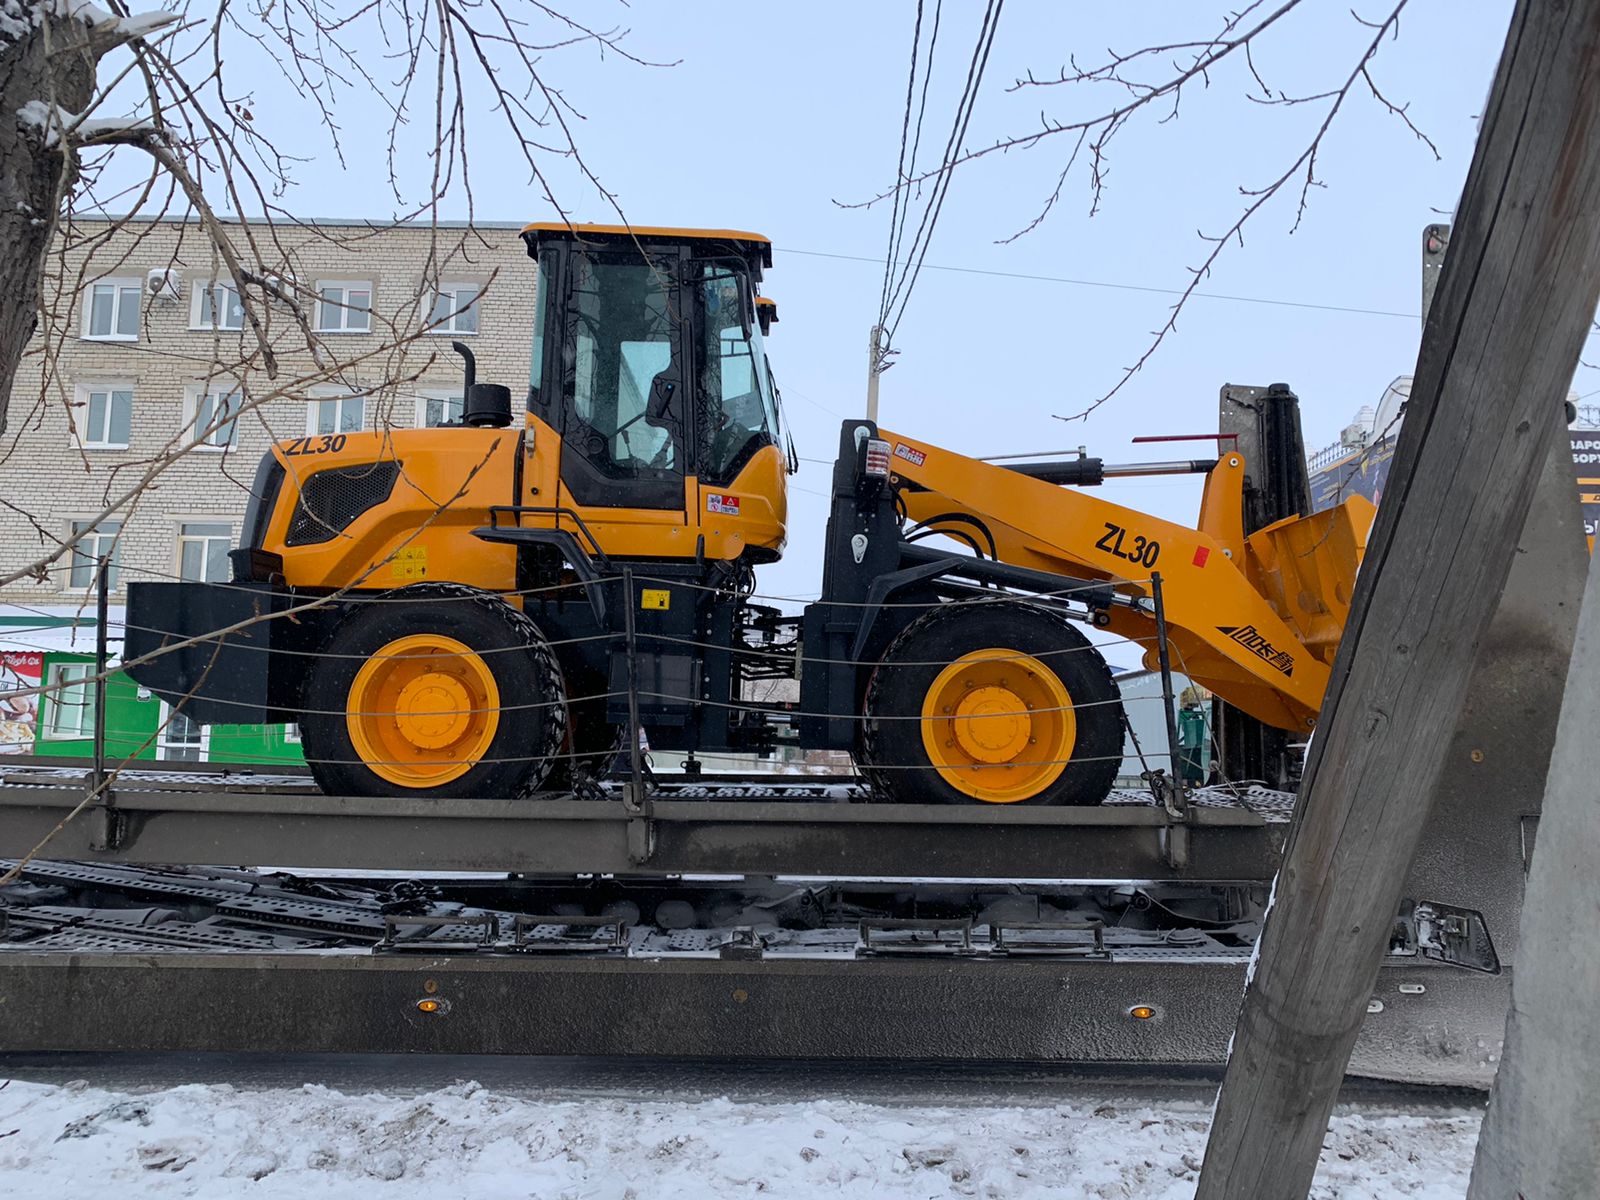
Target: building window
111,310
291,734
216,306
337,414
455,309
103,416
436,408
180,739
203,551
344,307
213,418
71,698
93,543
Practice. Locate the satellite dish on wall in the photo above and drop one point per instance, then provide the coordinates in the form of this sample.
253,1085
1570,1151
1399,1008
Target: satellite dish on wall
1387,422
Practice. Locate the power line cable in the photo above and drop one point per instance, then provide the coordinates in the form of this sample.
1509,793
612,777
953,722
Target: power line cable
945,162
958,137
1123,287
941,176
910,168
900,164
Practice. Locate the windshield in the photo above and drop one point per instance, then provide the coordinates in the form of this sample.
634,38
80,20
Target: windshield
738,408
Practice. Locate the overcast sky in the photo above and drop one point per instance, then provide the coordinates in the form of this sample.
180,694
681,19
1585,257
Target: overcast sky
774,112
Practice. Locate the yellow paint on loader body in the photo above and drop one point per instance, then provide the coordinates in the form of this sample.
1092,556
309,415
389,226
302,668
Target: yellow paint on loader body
1257,620
449,479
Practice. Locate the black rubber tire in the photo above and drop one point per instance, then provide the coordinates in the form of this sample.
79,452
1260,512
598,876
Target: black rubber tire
592,742
533,723
893,756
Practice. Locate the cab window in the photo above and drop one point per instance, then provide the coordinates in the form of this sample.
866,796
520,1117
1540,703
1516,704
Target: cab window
737,414
621,348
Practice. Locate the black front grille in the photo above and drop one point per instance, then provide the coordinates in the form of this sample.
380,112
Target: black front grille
330,500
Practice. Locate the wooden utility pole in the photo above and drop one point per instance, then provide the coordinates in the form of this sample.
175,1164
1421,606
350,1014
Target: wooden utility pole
1538,1139
874,369
1499,348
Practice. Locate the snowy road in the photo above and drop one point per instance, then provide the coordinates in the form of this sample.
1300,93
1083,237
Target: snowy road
176,1126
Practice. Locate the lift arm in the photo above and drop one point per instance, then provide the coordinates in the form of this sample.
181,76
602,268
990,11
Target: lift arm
1255,620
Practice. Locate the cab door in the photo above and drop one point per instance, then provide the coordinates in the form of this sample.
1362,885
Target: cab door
624,447
740,468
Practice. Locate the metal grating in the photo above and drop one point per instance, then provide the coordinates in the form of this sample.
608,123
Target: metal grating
330,500
280,910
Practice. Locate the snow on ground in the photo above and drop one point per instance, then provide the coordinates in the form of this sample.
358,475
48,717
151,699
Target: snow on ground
213,1140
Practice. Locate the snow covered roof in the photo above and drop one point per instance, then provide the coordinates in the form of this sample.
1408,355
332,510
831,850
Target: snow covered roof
56,628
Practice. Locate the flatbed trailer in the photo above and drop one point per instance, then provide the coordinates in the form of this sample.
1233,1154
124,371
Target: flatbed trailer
288,970
1117,934
728,983
750,918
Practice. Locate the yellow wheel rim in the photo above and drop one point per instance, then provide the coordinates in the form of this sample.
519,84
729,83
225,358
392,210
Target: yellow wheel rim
998,725
423,710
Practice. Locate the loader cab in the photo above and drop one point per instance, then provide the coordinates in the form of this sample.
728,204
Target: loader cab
649,370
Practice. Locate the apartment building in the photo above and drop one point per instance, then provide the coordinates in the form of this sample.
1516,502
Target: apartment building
151,352
150,394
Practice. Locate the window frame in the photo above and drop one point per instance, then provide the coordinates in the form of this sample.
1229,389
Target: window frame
201,287
314,400
449,328
50,730
81,407
344,309
438,395
164,744
180,538
74,553
122,284
192,395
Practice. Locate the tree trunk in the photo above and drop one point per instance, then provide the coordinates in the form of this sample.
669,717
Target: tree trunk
1499,348
51,62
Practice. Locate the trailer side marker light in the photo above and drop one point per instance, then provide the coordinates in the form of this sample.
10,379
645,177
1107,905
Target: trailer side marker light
433,1006
1141,1012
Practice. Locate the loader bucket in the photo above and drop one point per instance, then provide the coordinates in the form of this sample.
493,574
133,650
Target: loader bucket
1305,567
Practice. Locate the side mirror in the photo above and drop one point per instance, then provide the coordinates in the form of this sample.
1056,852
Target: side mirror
766,314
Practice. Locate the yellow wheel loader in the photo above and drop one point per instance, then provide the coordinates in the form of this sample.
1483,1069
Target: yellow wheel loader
484,609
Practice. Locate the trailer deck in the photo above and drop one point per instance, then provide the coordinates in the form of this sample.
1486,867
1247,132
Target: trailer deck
731,825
